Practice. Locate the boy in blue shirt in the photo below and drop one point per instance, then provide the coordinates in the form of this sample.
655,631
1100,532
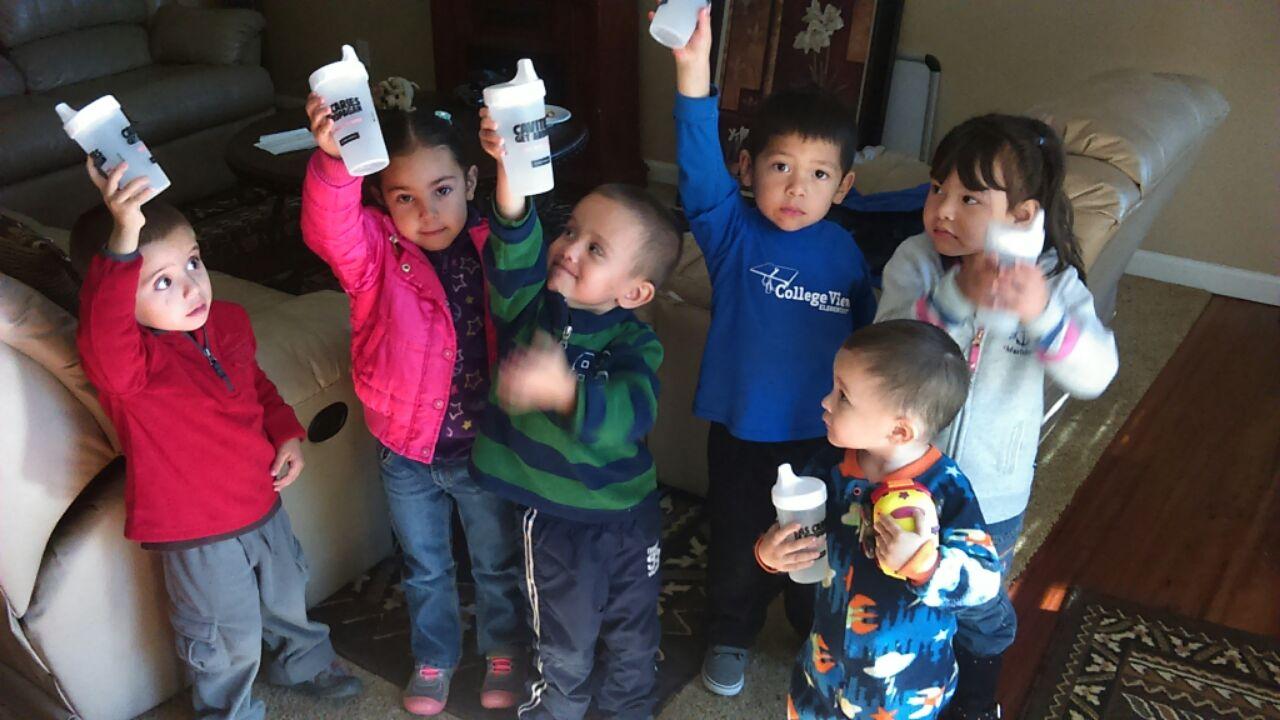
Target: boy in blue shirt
787,288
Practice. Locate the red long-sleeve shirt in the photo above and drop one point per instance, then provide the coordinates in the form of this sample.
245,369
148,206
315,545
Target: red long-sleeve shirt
199,432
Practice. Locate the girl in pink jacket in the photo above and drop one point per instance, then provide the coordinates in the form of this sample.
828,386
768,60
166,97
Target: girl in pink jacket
407,247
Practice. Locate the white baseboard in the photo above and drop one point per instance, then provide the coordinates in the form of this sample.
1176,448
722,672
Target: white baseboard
663,172
1217,279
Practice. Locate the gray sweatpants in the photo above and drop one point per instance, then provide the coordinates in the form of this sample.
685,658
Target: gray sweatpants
229,597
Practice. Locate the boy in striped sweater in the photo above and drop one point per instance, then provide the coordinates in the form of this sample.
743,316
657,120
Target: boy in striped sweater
564,435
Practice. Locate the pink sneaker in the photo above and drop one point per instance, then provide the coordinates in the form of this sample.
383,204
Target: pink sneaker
427,691
503,682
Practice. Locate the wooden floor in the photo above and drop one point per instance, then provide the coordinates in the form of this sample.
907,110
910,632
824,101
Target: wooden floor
1182,511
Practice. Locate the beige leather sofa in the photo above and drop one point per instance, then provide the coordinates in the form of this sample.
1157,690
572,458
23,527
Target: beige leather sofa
87,632
1130,137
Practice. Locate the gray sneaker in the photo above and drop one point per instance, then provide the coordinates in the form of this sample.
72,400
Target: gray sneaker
723,668
335,681
427,691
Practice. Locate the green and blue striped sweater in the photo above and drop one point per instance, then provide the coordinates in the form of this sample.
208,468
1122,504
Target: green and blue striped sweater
592,466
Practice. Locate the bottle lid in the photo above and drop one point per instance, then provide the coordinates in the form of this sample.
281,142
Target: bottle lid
348,68
1020,243
794,493
76,122
523,89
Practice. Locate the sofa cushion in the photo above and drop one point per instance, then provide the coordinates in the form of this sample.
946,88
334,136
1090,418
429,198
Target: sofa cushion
1140,122
1101,198
81,55
53,435
26,20
11,82
36,262
164,101
209,36
251,296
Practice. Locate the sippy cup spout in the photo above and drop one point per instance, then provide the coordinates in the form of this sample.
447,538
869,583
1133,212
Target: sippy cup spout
349,54
524,72
65,112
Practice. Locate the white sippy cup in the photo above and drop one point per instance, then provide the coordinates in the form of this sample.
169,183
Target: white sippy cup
519,108
802,499
1012,244
104,132
344,85
674,22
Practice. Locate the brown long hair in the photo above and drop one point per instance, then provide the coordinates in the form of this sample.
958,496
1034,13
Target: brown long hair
1031,161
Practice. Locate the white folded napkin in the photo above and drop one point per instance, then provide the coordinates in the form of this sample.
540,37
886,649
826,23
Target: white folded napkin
287,141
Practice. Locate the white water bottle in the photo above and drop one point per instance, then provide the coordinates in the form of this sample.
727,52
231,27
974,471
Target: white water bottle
344,85
103,131
803,499
1012,245
674,22
519,108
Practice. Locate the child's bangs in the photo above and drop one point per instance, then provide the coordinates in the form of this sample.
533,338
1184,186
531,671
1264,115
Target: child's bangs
976,158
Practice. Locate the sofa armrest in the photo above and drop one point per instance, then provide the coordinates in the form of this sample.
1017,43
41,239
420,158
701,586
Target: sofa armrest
206,36
1140,122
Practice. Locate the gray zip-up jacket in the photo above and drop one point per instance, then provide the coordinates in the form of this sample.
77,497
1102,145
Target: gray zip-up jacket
995,436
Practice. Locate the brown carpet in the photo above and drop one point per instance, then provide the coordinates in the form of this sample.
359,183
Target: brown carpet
1112,660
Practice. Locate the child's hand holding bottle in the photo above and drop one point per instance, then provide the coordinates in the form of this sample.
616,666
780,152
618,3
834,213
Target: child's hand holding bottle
1022,289
693,61
320,120
124,204
509,205
781,551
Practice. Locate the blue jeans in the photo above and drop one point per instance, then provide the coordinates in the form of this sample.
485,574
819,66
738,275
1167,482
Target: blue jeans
421,498
988,629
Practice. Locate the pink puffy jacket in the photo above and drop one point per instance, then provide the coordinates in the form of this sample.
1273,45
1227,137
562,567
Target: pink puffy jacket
402,339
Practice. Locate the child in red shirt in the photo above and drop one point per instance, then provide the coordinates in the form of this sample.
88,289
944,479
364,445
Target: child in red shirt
209,443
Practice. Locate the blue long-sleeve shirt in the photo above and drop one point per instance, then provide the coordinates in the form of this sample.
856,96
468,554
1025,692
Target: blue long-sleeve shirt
782,302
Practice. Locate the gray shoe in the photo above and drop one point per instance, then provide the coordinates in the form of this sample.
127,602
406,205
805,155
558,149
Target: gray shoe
427,691
723,669
335,681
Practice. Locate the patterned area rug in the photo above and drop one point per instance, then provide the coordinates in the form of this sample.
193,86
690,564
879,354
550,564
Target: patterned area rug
1112,660
369,623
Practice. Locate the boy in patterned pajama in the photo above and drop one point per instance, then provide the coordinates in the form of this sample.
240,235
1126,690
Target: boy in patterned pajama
880,646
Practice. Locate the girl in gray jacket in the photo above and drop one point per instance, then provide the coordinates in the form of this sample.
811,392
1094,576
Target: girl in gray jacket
1005,169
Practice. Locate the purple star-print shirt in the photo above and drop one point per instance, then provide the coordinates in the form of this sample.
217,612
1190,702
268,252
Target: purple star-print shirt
458,267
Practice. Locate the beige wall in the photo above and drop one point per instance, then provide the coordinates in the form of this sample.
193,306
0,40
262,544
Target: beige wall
1005,55
302,36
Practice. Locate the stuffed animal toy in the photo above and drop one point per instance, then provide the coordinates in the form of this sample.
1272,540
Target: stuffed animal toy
395,93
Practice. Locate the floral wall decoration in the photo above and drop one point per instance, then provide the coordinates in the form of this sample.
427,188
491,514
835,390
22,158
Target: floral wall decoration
767,45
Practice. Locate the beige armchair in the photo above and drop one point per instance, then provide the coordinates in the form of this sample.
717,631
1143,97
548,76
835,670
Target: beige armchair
1130,138
87,632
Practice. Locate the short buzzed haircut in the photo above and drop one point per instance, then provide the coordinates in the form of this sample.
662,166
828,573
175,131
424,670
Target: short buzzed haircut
660,232
93,229
919,367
